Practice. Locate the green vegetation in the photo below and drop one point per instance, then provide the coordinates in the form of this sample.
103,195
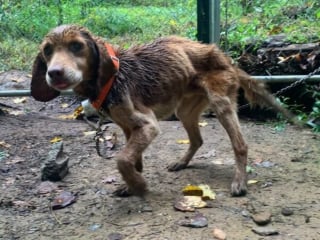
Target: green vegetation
23,23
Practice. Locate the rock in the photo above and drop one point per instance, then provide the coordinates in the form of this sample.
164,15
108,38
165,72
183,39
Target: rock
197,221
265,231
53,168
262,218
286,211
115,236
219,234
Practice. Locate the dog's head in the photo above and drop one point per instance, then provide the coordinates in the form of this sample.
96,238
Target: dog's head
70,57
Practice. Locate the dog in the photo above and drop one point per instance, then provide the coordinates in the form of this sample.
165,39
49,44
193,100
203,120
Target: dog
138,86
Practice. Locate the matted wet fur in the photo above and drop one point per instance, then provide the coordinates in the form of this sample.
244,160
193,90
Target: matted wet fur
155,80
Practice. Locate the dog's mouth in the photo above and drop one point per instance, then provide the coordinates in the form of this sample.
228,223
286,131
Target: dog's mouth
63,83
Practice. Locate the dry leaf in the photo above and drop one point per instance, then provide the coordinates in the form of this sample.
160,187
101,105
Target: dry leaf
4,144
56,139
16,112
203,124
20,100
66,116
77,112
192,190
89,133
252,181
207,194
183,141
64,105
63,200
46,187
189,203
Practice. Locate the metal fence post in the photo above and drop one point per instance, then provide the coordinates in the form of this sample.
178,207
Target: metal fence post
208,20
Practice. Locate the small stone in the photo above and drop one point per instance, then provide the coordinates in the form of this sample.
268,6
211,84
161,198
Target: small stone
262,218
219,234
286,211
115,236
197,221
265,231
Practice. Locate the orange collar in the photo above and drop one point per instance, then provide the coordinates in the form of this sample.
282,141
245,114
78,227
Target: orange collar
106,88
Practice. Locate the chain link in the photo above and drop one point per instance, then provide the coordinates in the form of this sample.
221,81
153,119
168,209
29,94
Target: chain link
293,85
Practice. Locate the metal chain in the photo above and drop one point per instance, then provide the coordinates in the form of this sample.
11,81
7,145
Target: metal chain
296,83
293,85
98,136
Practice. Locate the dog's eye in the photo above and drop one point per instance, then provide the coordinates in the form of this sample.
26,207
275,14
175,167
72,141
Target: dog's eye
76,46
47,50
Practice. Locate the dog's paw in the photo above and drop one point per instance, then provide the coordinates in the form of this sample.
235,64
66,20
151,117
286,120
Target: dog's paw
122,191
177,166
238,188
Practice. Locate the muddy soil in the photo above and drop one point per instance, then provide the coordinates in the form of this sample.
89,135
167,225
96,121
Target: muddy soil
285,164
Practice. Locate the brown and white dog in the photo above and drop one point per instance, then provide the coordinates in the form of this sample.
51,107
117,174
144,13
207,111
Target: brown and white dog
153,81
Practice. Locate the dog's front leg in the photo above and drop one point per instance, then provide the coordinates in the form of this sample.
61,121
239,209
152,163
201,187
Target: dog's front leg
140,129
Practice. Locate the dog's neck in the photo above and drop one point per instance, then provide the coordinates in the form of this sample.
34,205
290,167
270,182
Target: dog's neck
106,88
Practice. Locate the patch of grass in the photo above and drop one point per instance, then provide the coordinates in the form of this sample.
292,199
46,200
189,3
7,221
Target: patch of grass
17,53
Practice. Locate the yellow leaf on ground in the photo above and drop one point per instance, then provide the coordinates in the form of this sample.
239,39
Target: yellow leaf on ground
88,133
77,112
64,105
208,194
192,190
189,203
56,139
252,181
203,124
66,116
20,100
4,144
183,141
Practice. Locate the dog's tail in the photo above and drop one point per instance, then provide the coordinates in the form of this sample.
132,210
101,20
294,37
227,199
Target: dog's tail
257,94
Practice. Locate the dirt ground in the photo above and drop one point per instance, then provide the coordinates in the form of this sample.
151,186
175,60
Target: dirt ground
285,164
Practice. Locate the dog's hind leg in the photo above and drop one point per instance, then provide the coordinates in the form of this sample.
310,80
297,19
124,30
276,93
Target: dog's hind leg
188,112
227,116
223,102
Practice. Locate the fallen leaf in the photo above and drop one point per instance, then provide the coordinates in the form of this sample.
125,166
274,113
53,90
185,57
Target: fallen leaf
17,112
189,203
197,221
89,133
4,144
64,199
46,187
192,190
56,139
64,105
77,112
183,141
66,116
207,155
203,124
207,194
110,179
252,181
20,100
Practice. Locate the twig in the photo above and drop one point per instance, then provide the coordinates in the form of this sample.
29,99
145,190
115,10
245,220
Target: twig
54,215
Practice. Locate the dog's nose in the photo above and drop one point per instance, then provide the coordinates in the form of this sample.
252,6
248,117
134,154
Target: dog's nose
56,72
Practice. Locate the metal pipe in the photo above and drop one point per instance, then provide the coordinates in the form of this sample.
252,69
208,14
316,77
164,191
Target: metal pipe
286,78
21,93
269,79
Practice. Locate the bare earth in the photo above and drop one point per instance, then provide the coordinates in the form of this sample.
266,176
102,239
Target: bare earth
290,178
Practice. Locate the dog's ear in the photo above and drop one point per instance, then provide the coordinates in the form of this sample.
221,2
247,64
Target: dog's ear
40,90
106,68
